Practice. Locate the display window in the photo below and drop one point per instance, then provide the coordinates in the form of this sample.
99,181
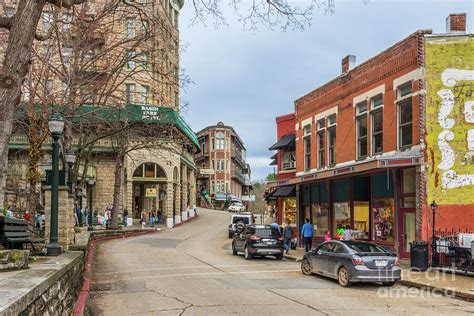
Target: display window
289,211
361,220
384,219
342,217
320,218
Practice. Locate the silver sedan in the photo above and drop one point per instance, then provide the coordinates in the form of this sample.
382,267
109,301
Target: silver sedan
352,261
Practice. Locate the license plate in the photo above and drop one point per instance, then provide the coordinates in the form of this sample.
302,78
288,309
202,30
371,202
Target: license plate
381,263
270,242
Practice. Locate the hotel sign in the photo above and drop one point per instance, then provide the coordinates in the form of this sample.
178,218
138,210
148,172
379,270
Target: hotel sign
150,112
206,171
150,193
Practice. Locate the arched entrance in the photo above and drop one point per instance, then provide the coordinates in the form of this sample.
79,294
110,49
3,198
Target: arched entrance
149,189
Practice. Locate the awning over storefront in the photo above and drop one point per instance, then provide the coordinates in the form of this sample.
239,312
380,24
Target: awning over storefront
285,141
285,191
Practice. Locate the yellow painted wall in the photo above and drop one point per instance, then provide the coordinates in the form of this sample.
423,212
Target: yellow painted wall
450,88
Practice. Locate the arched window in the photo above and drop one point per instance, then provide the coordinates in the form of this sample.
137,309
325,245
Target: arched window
149,170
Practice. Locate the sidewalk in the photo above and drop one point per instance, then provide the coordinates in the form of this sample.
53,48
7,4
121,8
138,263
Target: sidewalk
448,284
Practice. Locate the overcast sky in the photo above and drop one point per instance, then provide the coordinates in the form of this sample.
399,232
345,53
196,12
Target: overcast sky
245,79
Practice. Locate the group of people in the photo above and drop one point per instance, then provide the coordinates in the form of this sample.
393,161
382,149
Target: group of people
154,217
99,217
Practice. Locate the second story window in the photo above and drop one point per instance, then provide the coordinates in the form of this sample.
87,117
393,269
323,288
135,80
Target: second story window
405,115
321,143
130,93
332,140
220,141
376,106
130,27
361,129
131,59
145,94
307,147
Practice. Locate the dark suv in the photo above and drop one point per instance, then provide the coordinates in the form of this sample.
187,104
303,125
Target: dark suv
258,240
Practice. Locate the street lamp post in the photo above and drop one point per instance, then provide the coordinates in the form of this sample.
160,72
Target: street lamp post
56,126
70,159
433,206
90,184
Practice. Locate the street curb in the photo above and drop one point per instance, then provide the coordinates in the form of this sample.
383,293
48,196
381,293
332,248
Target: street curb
446,292
184,222
84,294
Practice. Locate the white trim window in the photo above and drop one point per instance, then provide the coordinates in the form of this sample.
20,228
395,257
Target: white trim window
307,147
361,129
332,123
131,27
130,93
66,54
220,141
131,59
67,22
144,60
376,114
145,94
405,115
321,142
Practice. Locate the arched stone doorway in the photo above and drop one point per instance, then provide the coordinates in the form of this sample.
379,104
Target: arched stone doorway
149,189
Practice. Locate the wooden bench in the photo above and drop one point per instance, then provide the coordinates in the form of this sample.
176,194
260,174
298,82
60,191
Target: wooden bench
14,233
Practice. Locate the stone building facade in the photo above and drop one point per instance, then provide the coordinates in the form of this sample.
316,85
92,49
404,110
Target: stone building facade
122,59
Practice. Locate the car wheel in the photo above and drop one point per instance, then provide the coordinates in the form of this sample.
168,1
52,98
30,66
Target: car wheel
343,277
391,283
306,267
234,251
279,256
247,254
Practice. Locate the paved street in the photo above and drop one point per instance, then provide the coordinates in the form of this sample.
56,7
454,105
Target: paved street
190,270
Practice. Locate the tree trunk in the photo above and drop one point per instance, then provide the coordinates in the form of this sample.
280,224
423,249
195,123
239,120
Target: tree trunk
15,68
119,164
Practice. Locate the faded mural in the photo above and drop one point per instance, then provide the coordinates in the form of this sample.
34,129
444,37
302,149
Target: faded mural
450,119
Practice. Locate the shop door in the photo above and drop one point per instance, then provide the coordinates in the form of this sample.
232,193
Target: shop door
407,231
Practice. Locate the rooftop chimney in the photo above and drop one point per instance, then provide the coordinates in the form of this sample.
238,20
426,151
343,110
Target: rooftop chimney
348,63
456,22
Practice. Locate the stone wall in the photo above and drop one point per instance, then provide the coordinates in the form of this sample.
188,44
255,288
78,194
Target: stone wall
66,219
50,288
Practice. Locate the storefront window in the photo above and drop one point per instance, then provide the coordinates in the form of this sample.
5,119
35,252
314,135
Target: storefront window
342,217
320,218
384,219
361,220
289,211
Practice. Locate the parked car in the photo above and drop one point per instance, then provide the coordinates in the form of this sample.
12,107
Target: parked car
236,207
261,240
352,261
239,221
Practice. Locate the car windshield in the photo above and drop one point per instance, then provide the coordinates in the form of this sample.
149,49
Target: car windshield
236,204
267,232
365,247
237,219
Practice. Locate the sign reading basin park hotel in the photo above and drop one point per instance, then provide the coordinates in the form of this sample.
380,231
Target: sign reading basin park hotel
376,145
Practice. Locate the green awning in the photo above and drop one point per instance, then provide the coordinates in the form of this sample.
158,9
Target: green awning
150,114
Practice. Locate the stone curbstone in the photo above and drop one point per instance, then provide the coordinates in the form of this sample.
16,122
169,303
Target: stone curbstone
447,292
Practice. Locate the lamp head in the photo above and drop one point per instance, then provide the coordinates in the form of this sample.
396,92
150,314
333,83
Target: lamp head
433,206
91,181
70,157
56,124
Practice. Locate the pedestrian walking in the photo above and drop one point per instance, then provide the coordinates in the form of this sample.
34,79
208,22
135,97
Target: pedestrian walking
124,217
287,235
195,209
307,235
158,216
86,216
151,216
143,220
77,209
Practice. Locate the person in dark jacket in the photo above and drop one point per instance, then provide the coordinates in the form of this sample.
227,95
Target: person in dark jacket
287,235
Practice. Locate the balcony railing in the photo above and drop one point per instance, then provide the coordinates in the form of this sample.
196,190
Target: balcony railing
236,174
289,165
202,153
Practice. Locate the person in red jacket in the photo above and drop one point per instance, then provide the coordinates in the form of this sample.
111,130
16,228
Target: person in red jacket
27,216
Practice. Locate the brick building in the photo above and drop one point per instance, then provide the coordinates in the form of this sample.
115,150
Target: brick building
285,160
372,145
223,175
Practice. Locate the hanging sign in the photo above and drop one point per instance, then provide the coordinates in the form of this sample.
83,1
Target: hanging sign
150,193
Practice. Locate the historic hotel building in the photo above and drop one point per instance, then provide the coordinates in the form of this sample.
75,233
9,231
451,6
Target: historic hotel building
124,60
223,174
376,145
